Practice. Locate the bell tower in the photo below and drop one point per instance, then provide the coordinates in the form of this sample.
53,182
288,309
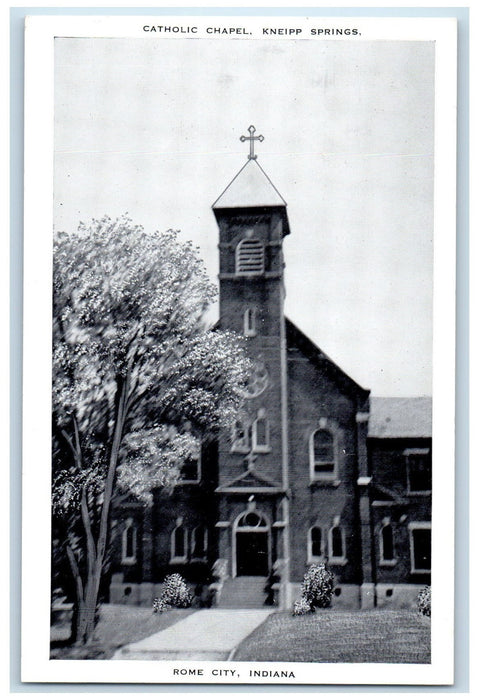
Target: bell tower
253,459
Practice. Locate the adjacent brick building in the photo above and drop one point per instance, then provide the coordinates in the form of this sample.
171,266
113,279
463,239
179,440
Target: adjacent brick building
313,470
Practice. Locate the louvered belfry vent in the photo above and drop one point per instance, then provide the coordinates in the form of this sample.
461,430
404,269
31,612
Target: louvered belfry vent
250,257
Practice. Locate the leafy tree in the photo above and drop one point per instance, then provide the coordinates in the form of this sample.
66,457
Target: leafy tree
138,380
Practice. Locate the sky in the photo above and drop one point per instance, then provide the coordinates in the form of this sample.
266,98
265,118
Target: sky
153,128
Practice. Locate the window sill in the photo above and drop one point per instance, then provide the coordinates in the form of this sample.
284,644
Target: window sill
337,562
316,560
129,561
240,450
279,523
324,481
420,571
261,450
178,560
243,273
389,563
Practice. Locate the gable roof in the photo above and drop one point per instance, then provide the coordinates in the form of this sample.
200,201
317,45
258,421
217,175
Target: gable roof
251,482
297,339
400,417
380,495
251,187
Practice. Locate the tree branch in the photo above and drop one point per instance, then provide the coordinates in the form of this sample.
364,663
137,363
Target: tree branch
70,442
90,542
76,571
85,514
110,477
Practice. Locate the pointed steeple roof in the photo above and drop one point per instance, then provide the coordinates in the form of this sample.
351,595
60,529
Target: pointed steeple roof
251,187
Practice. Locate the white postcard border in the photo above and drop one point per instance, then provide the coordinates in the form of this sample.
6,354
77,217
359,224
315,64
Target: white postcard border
37,361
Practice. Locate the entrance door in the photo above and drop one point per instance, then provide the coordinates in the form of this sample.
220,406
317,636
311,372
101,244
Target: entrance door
251,553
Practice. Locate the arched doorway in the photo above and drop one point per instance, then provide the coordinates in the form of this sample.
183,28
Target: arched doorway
251,537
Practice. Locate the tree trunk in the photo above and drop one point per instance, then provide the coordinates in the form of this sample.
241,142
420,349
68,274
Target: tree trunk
87,597
87,610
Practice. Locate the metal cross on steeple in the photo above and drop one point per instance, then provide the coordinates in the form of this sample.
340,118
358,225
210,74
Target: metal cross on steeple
251,138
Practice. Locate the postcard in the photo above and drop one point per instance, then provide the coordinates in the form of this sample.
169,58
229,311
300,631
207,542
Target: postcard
239,350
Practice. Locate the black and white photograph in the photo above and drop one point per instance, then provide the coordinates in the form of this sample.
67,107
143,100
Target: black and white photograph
236,466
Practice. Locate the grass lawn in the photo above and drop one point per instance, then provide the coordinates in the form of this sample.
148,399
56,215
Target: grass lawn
373,636
118,625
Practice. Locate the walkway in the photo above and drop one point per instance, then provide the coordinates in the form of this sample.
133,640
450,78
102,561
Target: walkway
207,635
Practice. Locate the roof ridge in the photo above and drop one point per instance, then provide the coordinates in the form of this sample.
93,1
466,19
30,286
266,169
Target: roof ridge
325,356
255,184
231,182
271,183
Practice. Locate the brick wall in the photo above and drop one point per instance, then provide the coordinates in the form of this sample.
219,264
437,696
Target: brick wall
388,469
313,395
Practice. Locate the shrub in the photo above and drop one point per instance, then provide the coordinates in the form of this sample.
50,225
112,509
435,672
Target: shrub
176,594
317,588
302,607
160,606
424,601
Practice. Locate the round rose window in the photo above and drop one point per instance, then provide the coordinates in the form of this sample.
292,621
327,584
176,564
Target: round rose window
256,382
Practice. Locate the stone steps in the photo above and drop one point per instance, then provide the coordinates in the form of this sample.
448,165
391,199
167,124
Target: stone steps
243,592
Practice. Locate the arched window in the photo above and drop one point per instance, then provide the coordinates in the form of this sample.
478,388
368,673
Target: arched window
337,545
190,470
315,544
179,544
386,545
249,322
128,543
249,257
260,433
252,519
241,436
199,543
322,455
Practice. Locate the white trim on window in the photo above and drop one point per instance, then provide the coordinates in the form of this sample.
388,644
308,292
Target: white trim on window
333,558
260,447
249,322
194,458
240,436
239,525
202,554
414,527
125,557
382,561
315,473
176,558
410,452
315,558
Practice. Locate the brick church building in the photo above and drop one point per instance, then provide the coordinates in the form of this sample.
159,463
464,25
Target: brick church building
314,469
